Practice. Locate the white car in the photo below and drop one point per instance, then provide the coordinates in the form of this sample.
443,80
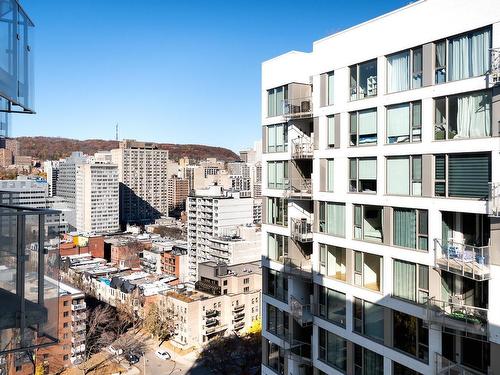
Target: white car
162,354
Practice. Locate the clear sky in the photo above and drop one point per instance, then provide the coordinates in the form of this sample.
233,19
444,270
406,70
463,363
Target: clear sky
168,71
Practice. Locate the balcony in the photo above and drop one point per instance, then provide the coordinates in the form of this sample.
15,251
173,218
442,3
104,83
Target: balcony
239,325
238,308
494,66
494,197
298,107
297,268
78,306
238,316
299,188
29,291
77,349
79,327
78,316
211,322
300,352
446,367
211,313
456,315
302,230
301,312
302,148
213,330
465,260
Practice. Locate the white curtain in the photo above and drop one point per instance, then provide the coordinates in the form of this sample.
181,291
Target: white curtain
329,174
271,133
279,138
330,88
398,122
368,122
335,219
398,176
404,280
331,130
271,173
474,116
279,174
459,58
480,44
367,169
398,71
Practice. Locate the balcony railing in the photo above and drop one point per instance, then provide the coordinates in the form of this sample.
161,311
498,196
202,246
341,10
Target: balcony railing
302,148
299,352
299,188
495,66
212,330
468,319
211,313
446,367
239,325
79,316
466,260
302,230
211,322
238,308
298,107
494,199
238,316
297,268
78,306
301,312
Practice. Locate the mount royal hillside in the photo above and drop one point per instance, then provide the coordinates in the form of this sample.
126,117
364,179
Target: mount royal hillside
53,148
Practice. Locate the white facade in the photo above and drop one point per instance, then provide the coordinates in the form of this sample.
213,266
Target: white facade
342,228
97,198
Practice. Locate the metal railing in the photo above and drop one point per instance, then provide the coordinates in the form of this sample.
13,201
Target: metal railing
456,315
211,313
301,312
465,260
446,367
238,308
211,330
78,306
299,188
298,107
297,268
302,148
302,229
494,199
494,66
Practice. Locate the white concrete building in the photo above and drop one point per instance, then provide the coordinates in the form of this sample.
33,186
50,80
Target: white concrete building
143,175
51,169
381,234
213,212
97,197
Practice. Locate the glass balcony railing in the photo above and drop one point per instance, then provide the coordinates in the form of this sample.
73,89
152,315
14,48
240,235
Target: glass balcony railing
299,188
302,148
302,313
298,107
495,66
301,268
446,367
29,287
302,229
494,198
465,260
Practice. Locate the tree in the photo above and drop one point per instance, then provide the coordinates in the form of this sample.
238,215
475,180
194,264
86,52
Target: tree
169,232
159,322
99,329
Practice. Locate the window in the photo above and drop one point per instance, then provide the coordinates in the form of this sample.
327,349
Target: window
332,261
277,322
331,305
363,127
277,246
404,122
277,285
363,80
275,100
65,314
399,76
332,349
225,283
277,211
66,303
404,175
329,99
462,175
331,130
275,357
363,175
398,369
440,62
332,218
410,228
246,289
277,138
367,362
329,175
277,177
411,281
368,223
463,116
410,336
368,319
368,270
65,357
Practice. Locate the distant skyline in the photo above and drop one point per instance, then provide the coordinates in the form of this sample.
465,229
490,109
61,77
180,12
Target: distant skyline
176,72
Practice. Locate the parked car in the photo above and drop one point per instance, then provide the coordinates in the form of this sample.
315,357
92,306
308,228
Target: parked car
162,354
132,359
115,351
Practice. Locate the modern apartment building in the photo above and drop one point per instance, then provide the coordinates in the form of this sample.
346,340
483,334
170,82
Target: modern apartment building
143,175
97,198
227,299
51,169
381,234
213,212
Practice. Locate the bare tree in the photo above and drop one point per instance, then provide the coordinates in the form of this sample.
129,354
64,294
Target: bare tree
159,322
99,329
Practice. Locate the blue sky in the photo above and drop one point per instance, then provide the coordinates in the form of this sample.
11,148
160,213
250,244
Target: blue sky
168,71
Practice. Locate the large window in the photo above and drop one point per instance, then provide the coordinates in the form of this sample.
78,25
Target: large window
330,80
404,175
330,173
462,175
363,127
275,100
404,70
277,174
368,223
363,175
331,305
275,357
332,350
363,80
332,261
277,246
410,335
277,322
367,362
463,116
331,130
404,122
277,285
410,228
463,56
368,270
277,211
368,319
332,218
277,138
411,281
